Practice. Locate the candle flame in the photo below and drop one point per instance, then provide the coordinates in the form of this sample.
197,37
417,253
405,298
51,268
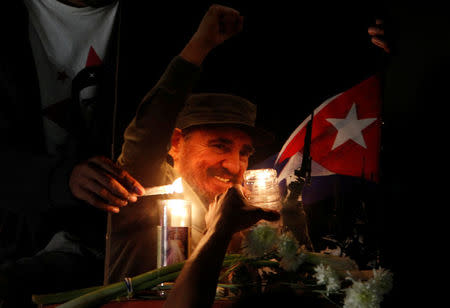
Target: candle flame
178,211
178,208
262,188
175,187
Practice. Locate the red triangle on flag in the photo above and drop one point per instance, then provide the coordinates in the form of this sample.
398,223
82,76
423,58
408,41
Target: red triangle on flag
345,133
93,59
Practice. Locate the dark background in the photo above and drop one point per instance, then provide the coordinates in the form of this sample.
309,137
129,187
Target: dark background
289,59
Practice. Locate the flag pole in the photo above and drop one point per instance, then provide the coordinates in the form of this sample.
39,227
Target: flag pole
293,214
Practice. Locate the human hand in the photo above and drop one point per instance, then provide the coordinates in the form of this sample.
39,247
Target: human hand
377,35
218,24
103,184
231,213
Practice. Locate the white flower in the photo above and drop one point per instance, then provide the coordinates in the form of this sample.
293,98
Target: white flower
361,295
288,248
325,275
259,240
382,280
288,245
369,294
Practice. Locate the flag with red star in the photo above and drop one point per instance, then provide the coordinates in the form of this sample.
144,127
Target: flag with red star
345,136
57,111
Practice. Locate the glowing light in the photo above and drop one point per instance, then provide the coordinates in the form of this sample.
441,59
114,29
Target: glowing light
173,231
263,189
178,212
175,187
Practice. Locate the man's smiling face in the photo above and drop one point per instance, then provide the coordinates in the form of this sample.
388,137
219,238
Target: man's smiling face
211,159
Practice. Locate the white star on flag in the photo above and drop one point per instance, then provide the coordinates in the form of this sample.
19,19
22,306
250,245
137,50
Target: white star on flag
350,128
345,136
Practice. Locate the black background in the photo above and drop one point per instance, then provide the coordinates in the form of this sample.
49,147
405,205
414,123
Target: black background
290,58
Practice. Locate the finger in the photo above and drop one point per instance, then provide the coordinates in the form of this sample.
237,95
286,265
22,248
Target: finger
375,31
232,23
97,202
109,182
246,192
218,10
218,197
131,184
106,164
226,16
380,43
101,191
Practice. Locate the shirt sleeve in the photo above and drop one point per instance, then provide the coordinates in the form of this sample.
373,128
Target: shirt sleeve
147,137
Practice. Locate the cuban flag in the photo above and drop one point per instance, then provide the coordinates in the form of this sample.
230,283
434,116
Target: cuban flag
345,137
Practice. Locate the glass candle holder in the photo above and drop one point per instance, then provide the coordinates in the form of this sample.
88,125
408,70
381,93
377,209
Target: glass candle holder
174,231
262,187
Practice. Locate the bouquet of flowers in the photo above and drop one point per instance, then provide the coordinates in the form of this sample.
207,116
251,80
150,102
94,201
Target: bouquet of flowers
270,258
273,258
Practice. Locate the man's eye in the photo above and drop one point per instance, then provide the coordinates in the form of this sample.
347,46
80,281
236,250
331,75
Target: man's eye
219,146
246,153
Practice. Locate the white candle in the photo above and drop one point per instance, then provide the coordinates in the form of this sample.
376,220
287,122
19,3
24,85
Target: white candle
174,231
262,185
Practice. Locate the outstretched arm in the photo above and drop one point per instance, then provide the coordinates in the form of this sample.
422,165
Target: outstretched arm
147,136
197,282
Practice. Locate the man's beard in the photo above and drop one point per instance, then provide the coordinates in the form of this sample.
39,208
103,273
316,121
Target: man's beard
205,195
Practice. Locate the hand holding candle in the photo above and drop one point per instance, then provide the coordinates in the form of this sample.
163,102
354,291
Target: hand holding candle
231,213
102,183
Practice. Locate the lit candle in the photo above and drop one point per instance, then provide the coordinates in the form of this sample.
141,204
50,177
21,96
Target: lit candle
262,185
178,212
174,231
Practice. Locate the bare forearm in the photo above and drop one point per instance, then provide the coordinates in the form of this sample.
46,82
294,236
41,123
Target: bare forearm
195,52
196,285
